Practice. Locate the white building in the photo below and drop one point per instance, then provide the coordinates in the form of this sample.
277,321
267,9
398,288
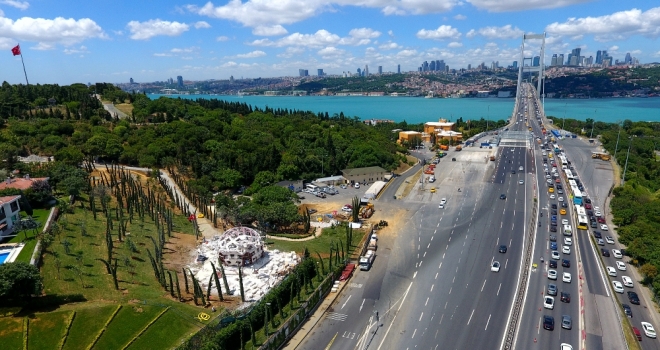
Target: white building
9,213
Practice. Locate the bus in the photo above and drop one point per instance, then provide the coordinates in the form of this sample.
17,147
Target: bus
569,175
577,195
572,183
583,222
579,209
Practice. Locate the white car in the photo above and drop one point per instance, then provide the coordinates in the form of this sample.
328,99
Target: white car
611,271
597,213
561,199
565,346
617,253
548,177
568,241
604,227
627,281
566,277
621,266
552,274
549,302
618,287
495,266
520,169
357,185
596,209
609,239
548,181
555,255
443,201
552,196
566,249
564,221
648,330
521,182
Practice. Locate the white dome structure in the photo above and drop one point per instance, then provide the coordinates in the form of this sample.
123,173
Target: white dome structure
240,246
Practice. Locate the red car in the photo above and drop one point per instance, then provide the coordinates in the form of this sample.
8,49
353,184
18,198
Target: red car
638,334
601,220
587,206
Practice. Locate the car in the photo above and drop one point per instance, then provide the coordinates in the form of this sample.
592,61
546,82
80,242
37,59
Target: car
627,281
566,277
604,227
557,180
343,186
600,220
590,213
627,310
555,255
347,208
549,302
553,238
605,252
357,185
618,287
552,196
495,266
553,211
587,200
561,199
609,240
564,205
565,297
560,191
564,221
552,264
566,249
521,182
611,271
553,245
648,329
633,298
566,263
617,253
548,322
566,322
443,201
553,206
553,228
587,206
311,211
597,234
552,274
548,181
568,241
637,333
599,241
433,190
552,289
621,266
502,248
520,169
596,208
565,346
547,176
502,196
560,187
513,172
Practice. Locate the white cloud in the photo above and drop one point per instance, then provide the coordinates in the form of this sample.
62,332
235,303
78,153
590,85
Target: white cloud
269,30
185,49
82,49
155,27
389,46
21,5
48,32
505,32
443,32
254,13
407,53
322,38
178,51
202,24
253,54
221,38
43,46
635,52
460,17
520,5
454,44
390,33
617,26
613,49
291,51
331,52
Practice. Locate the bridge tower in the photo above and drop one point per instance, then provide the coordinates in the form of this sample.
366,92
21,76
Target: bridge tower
527,63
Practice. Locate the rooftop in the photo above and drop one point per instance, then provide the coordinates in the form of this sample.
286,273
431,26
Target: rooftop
20,183
360,171
8,199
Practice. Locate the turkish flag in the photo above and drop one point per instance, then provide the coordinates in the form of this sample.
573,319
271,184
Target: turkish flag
16,50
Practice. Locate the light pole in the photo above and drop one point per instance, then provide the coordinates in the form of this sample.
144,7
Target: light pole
564,121
623,181
616,148
593,121
487,116
266,329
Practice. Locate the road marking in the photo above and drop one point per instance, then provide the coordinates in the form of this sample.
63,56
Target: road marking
487,322
331,341
506,263
337,316
362,305
436,275
446,302
420,316
429,246
427,301
395,315
454,280
450,288
348,335
498,289
424,256
470,317
498,241
440,265
482,287
355,285
415,274
420,263
415,332
349,298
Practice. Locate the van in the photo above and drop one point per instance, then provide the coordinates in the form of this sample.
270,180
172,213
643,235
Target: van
568,230
312,188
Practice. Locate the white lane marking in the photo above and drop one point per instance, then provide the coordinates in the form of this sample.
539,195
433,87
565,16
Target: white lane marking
498,289
470,317
424,256
420,316
436,275
506,263
487,322
349,298
433,285
415,274
362,305
395,315
498,241
450,288
439,266
427,302
428,246
482,287
454,280
412,335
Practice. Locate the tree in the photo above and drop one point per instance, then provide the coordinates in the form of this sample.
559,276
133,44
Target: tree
19,280
649,271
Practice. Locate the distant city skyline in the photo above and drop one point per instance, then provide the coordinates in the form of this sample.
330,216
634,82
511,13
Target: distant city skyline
82,41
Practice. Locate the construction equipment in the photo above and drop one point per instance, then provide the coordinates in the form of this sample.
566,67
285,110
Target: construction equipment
600,155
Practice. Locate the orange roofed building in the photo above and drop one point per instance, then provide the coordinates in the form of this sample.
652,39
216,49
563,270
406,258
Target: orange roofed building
442,129
21,183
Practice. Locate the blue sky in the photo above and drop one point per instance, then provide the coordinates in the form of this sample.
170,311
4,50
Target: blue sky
92,41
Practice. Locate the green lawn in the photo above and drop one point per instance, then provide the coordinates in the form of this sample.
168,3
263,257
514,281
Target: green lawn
11,332
86,326
165,333
330,236
128,322
28,237
46,330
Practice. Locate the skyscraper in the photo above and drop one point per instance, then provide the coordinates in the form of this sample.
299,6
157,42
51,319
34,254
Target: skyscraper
515,65
560,59
132,78
179,81
537,61
553,61
440,65
398,68
303,72
359,72
380,69
599,57
628,59
320,72
432,66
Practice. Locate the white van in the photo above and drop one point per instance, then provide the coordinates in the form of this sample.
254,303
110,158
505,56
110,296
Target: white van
567,230
312,188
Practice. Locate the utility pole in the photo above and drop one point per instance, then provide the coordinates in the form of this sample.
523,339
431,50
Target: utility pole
564,121
593,121
616,148
487,116
623,181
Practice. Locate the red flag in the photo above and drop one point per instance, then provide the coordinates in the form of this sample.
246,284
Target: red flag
16,50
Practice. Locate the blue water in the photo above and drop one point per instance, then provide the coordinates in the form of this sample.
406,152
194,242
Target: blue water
3,257
420,110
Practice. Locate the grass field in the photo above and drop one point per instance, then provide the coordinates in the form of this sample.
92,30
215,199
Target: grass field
39,215
86,325
128,322
165,333
321,244
11,332
46,330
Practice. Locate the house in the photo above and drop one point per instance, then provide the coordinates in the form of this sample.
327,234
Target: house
295,185
443,129
412,137
9,213
365,175
21,183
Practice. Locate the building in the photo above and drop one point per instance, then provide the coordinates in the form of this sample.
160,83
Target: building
303,72
179,81
515,65
410,137
132,82
21,183
380,69
295,185
9,213
553,61
365,175
320,72
599,57
398,68
240,246
537,61
442,129
560,59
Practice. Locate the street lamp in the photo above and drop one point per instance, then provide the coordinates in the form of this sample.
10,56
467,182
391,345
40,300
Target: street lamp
616,148
564,121
266,325
593,121
487,116
625,168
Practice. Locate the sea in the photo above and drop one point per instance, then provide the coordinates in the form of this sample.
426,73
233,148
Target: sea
420,110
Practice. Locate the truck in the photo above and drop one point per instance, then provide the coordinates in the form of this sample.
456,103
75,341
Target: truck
348,272
366,260
444,147
373,244
492,158
459,147
600,155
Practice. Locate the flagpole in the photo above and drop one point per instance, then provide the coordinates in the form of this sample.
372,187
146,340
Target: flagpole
26,79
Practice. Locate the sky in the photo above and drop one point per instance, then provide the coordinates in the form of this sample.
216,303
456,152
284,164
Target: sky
76,41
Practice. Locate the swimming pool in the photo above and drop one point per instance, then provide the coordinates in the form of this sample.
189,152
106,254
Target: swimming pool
3,256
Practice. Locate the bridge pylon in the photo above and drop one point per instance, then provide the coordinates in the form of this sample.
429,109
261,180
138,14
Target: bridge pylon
527,63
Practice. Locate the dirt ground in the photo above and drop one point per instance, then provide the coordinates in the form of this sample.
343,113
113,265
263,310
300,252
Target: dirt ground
403,166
